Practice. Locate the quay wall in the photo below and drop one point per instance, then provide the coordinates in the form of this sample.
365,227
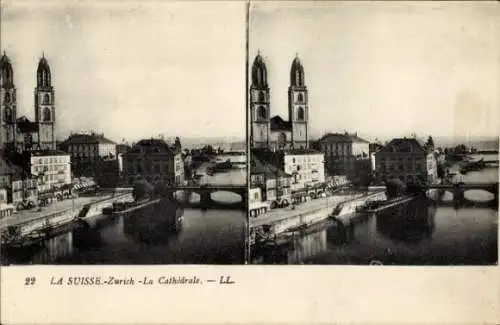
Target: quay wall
53,219
97,206
315,215
302,219
58,218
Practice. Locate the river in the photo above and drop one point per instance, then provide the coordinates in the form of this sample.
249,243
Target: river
420,232
208,237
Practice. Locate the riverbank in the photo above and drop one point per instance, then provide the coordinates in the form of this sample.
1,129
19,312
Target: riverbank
32,227
276,222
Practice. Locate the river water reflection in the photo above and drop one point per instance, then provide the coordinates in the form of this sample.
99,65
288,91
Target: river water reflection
144,237
420,232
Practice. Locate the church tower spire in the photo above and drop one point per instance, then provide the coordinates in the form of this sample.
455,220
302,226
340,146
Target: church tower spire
44,106
298,108
8,104
259,104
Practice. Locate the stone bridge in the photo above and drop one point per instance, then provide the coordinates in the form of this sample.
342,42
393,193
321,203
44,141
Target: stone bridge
458,191
205,192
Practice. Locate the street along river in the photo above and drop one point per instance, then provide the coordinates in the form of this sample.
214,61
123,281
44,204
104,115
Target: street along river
420,232
142,237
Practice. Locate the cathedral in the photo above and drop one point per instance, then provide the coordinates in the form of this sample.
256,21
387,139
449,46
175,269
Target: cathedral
274,132
21,134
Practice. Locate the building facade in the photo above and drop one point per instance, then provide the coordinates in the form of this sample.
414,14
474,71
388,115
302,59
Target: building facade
347,154
273,182
304,168
22,134
45,110
88,151
408,160
8,104
275,132
25,193
154,161
52,169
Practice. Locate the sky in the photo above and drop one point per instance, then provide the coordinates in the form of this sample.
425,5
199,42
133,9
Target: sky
385,69
132,69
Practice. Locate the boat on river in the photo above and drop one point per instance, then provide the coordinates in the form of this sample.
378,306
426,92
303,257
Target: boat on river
376,206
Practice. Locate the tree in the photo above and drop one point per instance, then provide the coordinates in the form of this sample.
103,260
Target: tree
160,190
460,149
395,187
440,171
142,190
177,144
209,150
430,142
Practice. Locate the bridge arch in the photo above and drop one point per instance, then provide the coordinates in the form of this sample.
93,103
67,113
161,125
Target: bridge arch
467,193
226,197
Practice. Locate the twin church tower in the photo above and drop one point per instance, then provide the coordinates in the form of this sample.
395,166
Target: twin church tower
274,132
15,131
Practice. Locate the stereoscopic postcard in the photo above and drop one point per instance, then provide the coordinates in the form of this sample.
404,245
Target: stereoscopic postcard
249,162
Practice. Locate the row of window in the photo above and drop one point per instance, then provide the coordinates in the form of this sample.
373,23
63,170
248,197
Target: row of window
82,148
262,97
337,148
400,167
388,160
52,160
283,192
306,177
60,178
404,178
50,168
30,183
303,166
262,114
308,159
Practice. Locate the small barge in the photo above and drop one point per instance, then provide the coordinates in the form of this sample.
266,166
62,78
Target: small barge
374,207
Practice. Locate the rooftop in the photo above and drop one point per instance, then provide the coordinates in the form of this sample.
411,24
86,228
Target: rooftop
122,148
48,153
301,152
9,168
277,123
87,138
152,146
403,145
342,137
263,152
259,167
24,125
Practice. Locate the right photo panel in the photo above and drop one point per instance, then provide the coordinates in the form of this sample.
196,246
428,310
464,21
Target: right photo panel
373,133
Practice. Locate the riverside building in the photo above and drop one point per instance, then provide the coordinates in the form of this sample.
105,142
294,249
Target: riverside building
408,160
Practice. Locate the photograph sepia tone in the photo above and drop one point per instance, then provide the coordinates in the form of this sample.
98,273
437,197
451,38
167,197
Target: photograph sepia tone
249,162
373,133
115,143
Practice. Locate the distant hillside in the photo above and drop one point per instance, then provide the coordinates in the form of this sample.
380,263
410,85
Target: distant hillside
485,142
477,142
228,144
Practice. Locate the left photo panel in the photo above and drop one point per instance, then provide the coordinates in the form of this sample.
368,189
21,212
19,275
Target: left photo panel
123,132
